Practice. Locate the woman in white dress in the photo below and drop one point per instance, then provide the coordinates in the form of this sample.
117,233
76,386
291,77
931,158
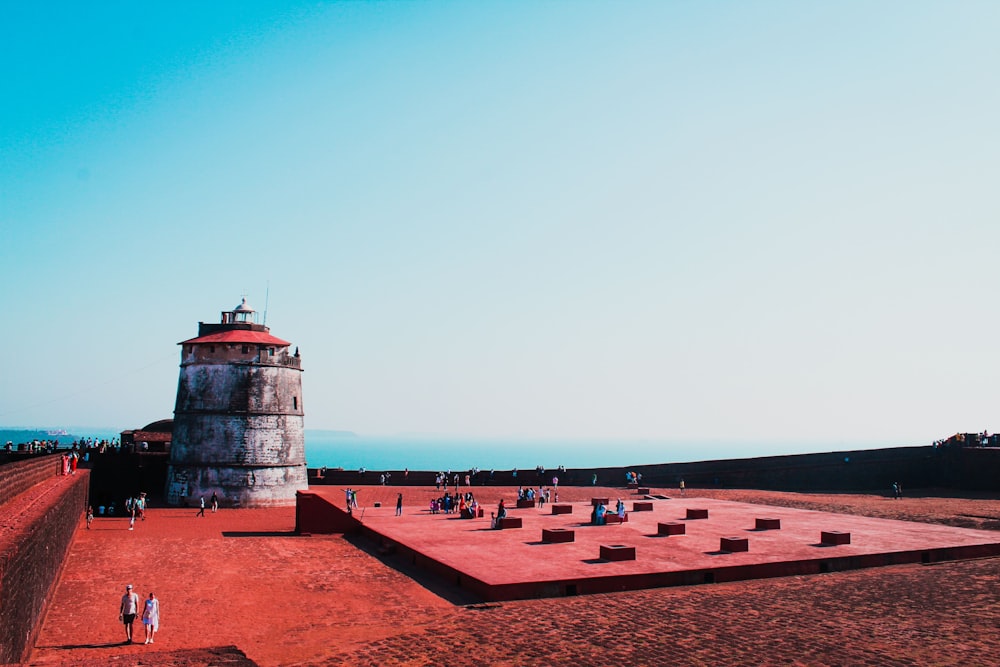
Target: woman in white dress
151,617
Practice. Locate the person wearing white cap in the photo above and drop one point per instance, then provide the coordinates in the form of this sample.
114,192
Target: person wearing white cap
128,610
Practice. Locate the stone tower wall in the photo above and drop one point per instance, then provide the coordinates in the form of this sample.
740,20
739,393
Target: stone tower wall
238,389
238,429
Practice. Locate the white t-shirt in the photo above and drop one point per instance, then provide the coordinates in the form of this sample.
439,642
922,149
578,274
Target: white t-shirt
130,603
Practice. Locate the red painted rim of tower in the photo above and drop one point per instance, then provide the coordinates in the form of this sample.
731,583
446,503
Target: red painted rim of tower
238,336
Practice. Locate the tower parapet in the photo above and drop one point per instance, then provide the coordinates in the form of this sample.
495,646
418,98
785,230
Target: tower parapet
238,419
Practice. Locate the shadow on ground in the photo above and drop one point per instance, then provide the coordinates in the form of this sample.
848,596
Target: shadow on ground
433,583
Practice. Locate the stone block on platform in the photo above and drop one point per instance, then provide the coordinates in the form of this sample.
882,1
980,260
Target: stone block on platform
642,506
617,552
834,537
521,504
767,524
509,522
602,501
642,490
697,513
734,544
671,528
556,535
562,509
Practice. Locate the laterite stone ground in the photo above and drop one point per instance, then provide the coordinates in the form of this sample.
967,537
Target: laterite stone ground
238,588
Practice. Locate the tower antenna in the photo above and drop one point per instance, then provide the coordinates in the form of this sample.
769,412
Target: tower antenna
267,295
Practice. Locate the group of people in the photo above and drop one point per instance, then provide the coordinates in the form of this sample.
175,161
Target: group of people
984,439
541,496
32,447
69,462
442,479
129,609
351,499
214,502
633,477
599,515
135,507
465,505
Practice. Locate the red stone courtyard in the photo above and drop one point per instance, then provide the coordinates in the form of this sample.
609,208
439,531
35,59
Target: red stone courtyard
239,587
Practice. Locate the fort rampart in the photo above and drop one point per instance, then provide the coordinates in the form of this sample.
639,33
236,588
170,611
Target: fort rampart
961,469
17,477
41,512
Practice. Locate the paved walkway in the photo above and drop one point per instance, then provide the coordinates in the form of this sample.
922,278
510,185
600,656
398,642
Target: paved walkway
238,588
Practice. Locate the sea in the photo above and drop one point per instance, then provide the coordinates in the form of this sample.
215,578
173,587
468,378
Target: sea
342,449
335,449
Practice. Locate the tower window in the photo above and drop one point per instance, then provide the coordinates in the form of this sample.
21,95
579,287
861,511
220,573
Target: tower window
246,348
211,348
295,402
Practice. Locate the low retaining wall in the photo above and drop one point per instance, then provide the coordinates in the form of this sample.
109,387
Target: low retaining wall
314,514
31,559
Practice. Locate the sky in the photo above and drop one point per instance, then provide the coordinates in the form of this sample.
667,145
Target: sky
738,220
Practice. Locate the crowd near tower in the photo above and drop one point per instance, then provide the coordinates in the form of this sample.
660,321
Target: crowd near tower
238,419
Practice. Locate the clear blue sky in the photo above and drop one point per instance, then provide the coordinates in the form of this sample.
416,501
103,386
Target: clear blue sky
746,220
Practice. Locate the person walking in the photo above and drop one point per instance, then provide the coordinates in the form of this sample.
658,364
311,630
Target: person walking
399,504
151,617
215,502
127,611
201,512
682,488
90,515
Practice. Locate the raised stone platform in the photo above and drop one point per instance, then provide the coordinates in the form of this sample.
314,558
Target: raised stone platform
507,564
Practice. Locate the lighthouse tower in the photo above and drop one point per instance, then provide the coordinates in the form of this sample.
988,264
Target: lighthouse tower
238,429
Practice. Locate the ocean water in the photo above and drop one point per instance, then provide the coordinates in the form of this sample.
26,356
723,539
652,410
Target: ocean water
337,450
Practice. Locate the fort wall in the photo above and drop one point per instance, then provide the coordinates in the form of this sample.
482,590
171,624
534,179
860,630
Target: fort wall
33,547
965,469
17,477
